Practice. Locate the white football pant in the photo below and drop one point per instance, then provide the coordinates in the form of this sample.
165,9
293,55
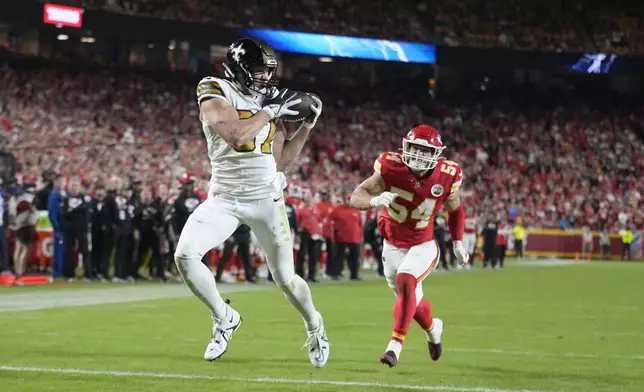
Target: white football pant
214,221
418,261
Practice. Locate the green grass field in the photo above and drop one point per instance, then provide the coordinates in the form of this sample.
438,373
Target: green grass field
526,328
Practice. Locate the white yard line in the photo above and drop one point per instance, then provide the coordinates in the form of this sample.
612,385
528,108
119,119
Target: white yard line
48,299
262,380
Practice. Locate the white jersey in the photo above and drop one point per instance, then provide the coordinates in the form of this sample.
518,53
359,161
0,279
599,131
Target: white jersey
248,172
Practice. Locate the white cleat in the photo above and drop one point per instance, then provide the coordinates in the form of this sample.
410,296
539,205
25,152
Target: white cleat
318,345
222,332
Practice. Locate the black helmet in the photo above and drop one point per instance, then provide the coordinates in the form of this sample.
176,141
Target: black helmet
247,56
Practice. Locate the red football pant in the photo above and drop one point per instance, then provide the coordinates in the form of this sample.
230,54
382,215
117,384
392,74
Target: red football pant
405,308
423,315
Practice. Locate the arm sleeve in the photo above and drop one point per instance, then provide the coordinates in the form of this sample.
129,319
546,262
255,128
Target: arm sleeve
379,163
456,223
458,180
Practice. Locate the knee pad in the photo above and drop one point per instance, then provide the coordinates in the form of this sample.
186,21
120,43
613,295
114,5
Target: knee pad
406,284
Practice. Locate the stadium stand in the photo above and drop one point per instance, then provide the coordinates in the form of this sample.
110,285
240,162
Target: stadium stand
558,26
145,129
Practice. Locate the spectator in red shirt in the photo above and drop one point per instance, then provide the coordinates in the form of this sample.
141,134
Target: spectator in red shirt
503,233
310,224
348,233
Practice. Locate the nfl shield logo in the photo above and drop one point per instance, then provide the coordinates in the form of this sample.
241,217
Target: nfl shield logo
417,184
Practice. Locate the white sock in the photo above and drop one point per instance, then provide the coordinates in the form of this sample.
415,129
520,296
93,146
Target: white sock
199,279
396,347
299,294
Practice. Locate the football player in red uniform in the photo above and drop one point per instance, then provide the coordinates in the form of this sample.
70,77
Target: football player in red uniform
413,186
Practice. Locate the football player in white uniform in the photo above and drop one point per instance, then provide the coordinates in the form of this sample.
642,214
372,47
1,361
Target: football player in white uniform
248,153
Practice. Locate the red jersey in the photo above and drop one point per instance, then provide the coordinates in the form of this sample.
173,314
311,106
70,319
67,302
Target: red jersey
471,223
503,234
347,224
409,220
324,209
309,220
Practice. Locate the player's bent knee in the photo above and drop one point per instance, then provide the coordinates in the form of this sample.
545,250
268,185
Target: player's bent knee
284,280
283,271
406,283
184,256
288,283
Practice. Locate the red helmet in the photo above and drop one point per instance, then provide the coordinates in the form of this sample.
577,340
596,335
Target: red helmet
421,148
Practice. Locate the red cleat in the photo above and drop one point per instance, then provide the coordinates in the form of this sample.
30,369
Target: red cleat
389,358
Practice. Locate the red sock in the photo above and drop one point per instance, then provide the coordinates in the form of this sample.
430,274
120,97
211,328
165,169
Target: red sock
423,315
405,306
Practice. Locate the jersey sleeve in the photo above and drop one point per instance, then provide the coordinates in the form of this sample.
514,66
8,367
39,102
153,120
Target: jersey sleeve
209,88
379,162
385,162
458,180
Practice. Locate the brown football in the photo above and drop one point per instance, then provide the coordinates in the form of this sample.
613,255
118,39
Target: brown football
303,108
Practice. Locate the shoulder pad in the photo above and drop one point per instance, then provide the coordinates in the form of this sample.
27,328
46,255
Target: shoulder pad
209,87
452,170
385,159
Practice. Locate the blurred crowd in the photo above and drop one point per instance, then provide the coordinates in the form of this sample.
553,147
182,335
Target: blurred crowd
558,165
517,24
556,162
339,17
566,26
615,27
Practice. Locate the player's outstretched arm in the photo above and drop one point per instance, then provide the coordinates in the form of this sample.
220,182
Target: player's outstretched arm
453,202
371,193
286,150
224,119
456,223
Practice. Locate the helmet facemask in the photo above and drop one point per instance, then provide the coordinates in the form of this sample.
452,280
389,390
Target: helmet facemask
420,157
